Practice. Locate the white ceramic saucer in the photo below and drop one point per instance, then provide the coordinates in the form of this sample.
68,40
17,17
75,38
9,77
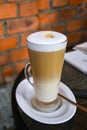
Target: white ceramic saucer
25,92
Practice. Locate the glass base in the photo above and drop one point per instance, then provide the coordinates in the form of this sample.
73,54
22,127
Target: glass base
46,107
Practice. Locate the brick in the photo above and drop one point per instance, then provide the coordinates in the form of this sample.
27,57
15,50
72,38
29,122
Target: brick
8,43
22,25
43,4
77,24
77,37
8,73
85,1
1,1
20,66
3,59
41,28
1,79
48,18
84,24
84,36
7,11
14,0
1,29
74,38
67,14
23,39
82,11
19,55
74,25
58,3
59,28
28,8
75,2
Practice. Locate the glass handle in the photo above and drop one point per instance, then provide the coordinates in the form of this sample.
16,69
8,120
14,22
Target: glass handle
28,73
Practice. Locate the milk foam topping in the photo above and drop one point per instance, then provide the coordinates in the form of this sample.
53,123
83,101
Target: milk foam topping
46,41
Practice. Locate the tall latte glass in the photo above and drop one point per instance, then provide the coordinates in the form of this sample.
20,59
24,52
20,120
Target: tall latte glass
46,53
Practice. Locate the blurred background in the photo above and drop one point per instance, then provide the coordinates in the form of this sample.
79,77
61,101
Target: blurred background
18,19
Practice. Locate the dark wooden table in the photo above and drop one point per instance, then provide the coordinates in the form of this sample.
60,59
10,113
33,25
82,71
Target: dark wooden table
77,82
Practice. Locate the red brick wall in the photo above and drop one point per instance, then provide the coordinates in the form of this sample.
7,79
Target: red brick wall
19,18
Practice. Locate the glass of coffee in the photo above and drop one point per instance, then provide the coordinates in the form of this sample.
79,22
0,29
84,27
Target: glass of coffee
46,54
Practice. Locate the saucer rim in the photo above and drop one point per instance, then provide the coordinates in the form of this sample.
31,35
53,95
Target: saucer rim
42,119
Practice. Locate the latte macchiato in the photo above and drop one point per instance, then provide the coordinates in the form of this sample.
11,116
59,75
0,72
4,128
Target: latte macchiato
46,71
46,52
